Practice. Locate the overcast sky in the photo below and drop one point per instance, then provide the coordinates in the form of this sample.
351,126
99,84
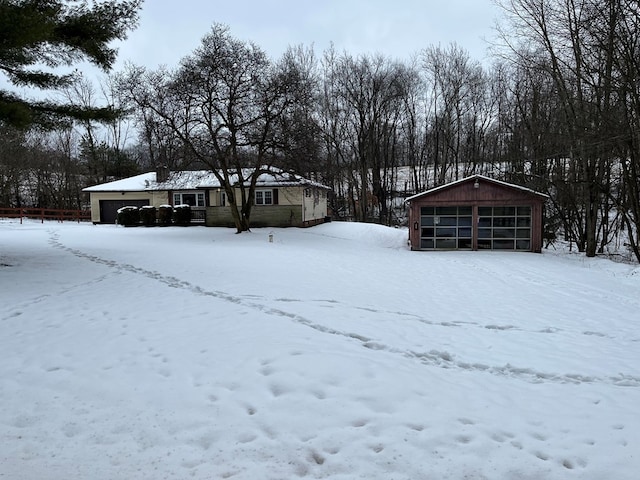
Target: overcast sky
170,30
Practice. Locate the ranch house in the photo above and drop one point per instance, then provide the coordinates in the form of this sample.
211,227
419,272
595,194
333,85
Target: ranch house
281,199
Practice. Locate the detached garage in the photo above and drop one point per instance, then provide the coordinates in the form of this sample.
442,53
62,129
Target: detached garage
477,213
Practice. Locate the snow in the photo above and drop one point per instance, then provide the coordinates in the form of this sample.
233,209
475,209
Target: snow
137,183
198,179
332,352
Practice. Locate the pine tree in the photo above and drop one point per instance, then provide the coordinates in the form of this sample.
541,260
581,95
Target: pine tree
38,38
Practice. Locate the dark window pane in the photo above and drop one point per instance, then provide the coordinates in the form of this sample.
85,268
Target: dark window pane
484,233
524,211
426,243
503,244
426,210
446,210
484,244
523,233
524,222
484,222
504,222
446,243
504,233
504,211
485,211
464,221
427,232
464,243
445,232
448,221
189,199
426,221
523,245
464,232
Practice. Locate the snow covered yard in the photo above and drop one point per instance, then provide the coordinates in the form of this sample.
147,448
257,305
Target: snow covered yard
333,352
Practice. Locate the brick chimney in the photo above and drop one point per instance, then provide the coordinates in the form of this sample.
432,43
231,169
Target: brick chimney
162,173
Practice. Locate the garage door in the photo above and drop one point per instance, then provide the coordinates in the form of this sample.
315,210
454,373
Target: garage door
109,208
446,228
498,228
504,228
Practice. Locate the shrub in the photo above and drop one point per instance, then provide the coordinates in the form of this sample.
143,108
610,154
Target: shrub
182,215
148,215
165,214
128,216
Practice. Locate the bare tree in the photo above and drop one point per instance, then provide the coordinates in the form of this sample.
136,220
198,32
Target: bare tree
460,111
559,38
616,24
363,105
226,103
103,145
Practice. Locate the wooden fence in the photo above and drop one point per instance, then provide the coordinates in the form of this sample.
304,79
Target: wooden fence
46,214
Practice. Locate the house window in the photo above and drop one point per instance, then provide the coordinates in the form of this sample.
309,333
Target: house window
223,199
266,197
192,199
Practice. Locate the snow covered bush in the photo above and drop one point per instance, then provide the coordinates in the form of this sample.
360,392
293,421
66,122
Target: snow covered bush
182,215
165,214
128,216
148,215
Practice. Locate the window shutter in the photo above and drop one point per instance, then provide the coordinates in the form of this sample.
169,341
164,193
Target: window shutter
274,196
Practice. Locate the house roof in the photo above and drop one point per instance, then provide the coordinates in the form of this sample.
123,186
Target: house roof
479,178
199,179
131,184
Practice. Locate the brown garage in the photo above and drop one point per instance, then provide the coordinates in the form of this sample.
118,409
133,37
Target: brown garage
477,213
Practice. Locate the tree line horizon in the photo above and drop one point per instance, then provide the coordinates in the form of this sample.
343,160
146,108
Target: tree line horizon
558,111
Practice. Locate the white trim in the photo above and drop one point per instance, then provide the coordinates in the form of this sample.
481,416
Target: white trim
264,192
178,198
476,177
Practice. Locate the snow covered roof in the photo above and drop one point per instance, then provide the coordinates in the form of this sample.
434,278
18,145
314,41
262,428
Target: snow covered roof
132,184
476,177
198,179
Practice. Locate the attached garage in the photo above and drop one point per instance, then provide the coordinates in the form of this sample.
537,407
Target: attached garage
477,213
107,198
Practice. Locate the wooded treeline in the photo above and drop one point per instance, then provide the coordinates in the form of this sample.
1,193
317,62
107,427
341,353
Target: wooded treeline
557,110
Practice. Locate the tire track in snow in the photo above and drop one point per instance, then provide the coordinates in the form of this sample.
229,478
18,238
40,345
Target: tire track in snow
433,358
